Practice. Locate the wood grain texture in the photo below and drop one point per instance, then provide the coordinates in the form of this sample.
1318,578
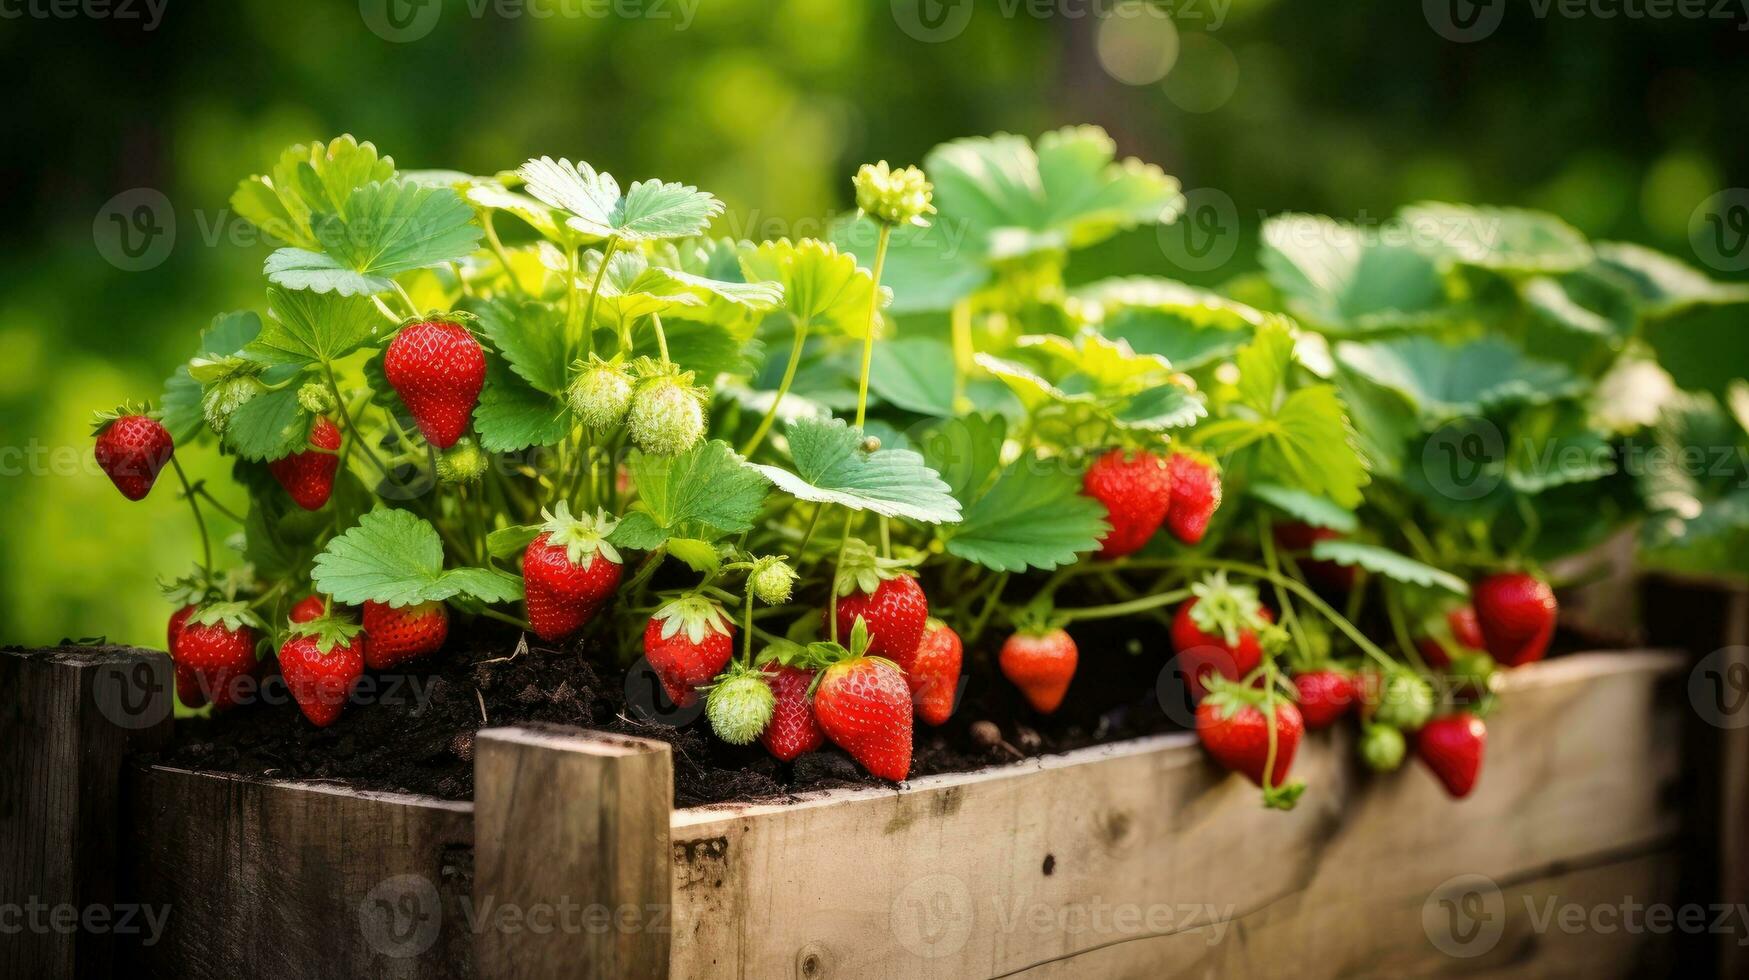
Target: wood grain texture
68,717
298,881
1124,859
571,854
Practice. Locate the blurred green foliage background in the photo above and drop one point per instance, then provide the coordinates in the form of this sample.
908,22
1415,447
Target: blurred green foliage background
1624,126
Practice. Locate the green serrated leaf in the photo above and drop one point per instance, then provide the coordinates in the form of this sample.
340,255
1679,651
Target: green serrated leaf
822,287
1160,408
1189,327
1445,381
1384,561
1504,239
485,584
511,542
914,373
928,269
1346,279
269,426
305,328
1033,516
832,467
531,336
649,210
965,452
1316,511
700,556
308,179
512,416
396,557
1068,193
388,228
707,491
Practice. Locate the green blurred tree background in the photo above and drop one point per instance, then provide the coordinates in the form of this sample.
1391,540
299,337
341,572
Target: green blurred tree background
1621,125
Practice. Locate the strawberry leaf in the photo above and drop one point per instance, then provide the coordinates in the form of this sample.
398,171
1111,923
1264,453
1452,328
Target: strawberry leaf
512,415
1188,326
305,328
1505,239
832,467
1316,511
929,268
179,406
822,287
1445,381
915,374
532,339
1033,516
1384,561
707,492
1067,193
649,210
308,180
965,451
396,557
388,228
1347,279
269,426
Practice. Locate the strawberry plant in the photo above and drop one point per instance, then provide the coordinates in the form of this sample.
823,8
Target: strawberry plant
825,484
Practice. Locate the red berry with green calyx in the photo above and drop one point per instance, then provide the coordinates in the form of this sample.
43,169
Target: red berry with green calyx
321,661
568,571
1452,747
1040,661
187,685
1196,495
934,672
437,368
1516,613
393,636
132,447
216,647
308,608
688,642
1325,696
308,476
1136,489
879,592
864,705
1218,632
793,730
1231,723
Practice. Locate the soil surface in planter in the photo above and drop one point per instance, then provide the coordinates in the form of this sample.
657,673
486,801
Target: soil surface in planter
413,730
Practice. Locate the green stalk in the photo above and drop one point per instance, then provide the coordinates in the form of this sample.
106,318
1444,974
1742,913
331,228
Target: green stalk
789,377
499,251
503,617
200,488
661,338
747,632
595,291
1289,621
206,544
1111,610
351,433
874,304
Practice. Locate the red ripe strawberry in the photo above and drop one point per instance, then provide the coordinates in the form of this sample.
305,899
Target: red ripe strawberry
1452,748
394,636
1517,617
1231,726
321,661
1041,663
216,649
187,685
1196,495
863,705
1300,537
1215,632
308,608
1136,489
934,672
892,604
437,368
1325,696
131,448
1465,629
688,642
792,731
568,571
308,476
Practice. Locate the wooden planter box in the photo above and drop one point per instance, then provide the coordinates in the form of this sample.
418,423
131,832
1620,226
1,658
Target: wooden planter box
1132,859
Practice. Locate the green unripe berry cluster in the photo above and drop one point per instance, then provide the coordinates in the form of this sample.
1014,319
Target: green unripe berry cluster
739,708
897,197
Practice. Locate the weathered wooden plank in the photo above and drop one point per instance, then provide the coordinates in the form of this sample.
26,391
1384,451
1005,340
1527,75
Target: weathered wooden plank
300,881
571,853
68,716
990,873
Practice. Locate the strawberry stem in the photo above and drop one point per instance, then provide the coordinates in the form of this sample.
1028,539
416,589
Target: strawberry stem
661,338
747,630
498,250
607,249
1289,619
206,544
412,308
1115,609
874,306
789,377
504,617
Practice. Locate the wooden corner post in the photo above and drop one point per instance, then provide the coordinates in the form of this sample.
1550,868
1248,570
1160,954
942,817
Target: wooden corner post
571,857
68,718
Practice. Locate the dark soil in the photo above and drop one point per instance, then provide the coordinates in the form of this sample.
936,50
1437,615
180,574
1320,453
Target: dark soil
413,731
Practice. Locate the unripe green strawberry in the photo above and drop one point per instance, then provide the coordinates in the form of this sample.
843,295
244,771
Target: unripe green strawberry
601,395
464,462
1405,701
740,706
772,581
316,398
897,197
219,401
667,415
1382,747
